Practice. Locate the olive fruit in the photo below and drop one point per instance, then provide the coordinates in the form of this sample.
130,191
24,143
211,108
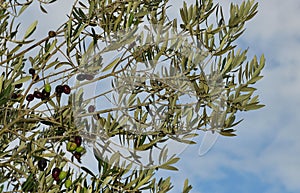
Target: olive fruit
55,173
91,108
89,77
79,149
78,140
51,34
32,71
29,97
42,164
37,94
66,89
19,85
80,77
59,89
62,175
47,87
68,183
77,155
14,95
71,146
45,95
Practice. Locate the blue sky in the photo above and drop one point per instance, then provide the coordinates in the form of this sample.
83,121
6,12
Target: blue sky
264,157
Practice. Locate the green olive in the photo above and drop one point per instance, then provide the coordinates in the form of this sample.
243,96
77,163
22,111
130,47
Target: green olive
79,149
71,146
48,87
68,183
62,175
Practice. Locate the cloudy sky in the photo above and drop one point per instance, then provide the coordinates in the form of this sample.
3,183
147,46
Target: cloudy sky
264,157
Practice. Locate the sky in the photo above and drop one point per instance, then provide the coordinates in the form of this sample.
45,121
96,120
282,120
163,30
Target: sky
264,156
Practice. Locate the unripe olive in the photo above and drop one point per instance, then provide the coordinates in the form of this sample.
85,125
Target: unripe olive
47,87
68,183
62,175
71,146
79,149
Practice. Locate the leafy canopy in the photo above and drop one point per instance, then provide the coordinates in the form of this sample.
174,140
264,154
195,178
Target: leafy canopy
121,82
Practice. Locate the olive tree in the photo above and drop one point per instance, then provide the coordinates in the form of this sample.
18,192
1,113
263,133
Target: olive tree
117,86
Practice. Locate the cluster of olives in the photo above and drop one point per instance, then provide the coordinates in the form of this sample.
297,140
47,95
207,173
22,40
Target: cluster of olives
59,89
74,146
57,173
35,77
44,95
16,95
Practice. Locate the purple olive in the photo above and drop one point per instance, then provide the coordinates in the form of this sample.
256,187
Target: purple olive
78,140
55,173
29,97
66,89
37,94
80,77
91,108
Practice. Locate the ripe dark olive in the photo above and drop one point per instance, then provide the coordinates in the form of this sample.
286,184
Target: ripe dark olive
91,108
66,89
14,96
55,173
78,140
30,97
51,34
19,85
80,77
45,95
37,94
42,164
77,155
31,71
59,89
89,77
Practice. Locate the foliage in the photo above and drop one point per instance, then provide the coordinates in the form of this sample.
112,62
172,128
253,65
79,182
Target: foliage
151,72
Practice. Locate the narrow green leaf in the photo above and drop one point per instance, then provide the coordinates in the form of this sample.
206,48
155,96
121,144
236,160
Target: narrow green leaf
111,65
30,29
22,80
